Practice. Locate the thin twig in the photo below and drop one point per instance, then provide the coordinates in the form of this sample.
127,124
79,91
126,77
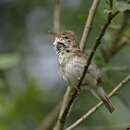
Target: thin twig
89,23
56,15
96,107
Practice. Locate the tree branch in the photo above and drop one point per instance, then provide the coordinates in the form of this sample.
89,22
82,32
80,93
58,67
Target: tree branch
89,23
96,107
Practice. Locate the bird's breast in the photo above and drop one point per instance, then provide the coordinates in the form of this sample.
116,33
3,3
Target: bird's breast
73,69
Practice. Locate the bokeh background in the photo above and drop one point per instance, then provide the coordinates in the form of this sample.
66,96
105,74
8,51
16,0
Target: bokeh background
30,86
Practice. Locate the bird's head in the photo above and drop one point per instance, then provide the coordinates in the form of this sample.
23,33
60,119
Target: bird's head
64,41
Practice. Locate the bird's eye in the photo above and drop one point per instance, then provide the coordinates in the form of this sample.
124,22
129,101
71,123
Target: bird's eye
67,50
66,37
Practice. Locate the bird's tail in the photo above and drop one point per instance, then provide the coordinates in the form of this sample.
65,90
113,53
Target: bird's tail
103,96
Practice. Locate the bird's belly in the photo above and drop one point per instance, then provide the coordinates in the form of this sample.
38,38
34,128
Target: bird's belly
73,72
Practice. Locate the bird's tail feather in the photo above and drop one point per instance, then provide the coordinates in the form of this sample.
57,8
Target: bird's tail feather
103,96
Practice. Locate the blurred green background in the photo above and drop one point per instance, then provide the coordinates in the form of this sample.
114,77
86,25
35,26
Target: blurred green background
30,86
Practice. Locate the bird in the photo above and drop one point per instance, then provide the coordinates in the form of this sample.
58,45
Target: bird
72,61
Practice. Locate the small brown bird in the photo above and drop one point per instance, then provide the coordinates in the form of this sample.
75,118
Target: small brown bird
72,61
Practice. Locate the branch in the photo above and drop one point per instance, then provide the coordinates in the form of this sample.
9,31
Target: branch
89,23
96,107
56,15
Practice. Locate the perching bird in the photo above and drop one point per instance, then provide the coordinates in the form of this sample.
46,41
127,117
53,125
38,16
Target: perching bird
71,63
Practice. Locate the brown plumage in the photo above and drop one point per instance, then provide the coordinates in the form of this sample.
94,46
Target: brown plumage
72,61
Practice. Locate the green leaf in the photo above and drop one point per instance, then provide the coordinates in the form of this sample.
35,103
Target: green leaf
122,5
